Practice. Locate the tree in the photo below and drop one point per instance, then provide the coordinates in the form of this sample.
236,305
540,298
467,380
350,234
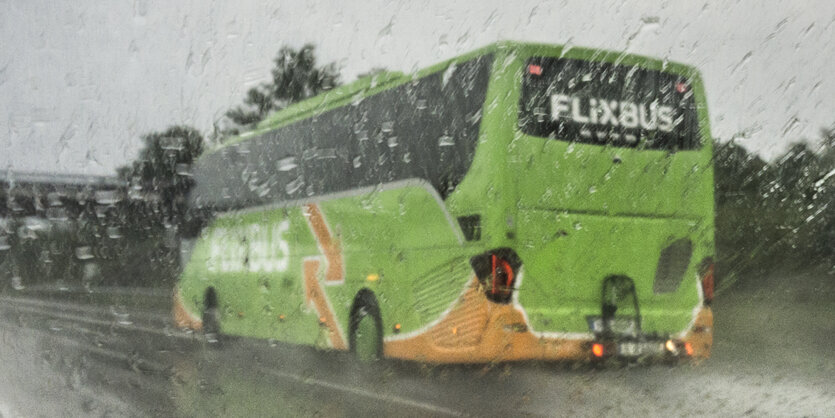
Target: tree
774,215
295,76
161,173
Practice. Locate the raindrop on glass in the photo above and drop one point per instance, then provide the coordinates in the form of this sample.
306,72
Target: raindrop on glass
286,164
17,283
446,141
294,186
84,253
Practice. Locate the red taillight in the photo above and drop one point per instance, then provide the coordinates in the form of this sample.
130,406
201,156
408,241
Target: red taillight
535,69
501,275
707,284
688,348
597,349
496,271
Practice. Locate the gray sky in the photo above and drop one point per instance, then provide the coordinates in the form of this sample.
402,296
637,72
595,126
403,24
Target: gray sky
81,81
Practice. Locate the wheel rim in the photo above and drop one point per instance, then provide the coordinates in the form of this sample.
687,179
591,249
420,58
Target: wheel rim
366,339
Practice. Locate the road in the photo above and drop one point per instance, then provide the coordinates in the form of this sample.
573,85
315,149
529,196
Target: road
66,355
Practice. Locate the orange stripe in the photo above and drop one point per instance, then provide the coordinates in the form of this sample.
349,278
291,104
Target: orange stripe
313,292
700,336
182,317
479,331
330,247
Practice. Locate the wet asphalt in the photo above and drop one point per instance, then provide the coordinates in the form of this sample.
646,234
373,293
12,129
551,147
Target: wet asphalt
64,355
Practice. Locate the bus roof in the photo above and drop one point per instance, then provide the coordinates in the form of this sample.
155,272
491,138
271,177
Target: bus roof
387,79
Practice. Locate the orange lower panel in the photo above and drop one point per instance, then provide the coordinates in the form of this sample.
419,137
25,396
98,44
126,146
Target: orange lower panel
700,336
479,331
182,317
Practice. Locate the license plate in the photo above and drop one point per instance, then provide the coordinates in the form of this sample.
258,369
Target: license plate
617,325
636,349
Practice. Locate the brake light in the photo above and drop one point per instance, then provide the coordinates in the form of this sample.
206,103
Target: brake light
597,349
707,284
500,268
496,271
535,69
688,348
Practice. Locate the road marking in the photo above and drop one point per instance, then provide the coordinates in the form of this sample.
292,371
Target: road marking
93,321
366,393
281,374
91,348
85,308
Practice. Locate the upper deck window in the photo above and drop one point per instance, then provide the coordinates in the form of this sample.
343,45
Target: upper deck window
426,129
603,103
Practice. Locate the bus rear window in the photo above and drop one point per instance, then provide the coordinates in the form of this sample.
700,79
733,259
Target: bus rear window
607,104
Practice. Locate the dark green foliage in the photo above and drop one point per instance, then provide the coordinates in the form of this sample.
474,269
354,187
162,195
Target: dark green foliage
161,175
296,76
776,215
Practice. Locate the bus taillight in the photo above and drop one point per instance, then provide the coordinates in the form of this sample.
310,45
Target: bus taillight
501,275
598,350
688,348
707,283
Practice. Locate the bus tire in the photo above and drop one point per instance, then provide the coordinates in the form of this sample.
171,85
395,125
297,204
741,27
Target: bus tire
365,338
211,316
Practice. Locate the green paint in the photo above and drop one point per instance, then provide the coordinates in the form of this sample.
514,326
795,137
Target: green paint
572,215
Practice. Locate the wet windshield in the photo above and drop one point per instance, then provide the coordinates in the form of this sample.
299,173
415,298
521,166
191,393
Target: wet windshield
616,208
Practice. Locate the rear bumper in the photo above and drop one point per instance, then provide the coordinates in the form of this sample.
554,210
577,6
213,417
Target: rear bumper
695,344
476,330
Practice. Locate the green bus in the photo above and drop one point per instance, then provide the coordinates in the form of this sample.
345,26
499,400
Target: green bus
521,201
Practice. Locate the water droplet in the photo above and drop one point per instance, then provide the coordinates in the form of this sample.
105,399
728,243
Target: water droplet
91,271
107,197
448,74
286,164
295,185
392,142
56,214
184,170
326,153
114,232
17,283
357,161
84,253
446,141
55,199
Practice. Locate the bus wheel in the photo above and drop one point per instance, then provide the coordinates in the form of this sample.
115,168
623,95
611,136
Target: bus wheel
366,328
211,316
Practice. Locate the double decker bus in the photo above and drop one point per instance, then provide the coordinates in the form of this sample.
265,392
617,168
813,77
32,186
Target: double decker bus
521,201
